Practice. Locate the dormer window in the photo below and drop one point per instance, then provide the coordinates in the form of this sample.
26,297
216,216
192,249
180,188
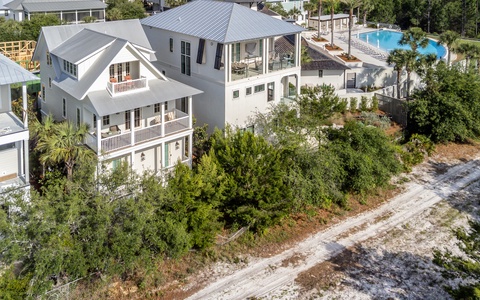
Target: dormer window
70,68
49,59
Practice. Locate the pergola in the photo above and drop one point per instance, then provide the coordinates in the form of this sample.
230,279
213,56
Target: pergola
340,22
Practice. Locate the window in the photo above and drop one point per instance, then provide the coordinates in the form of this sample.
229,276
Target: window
236,52
164,73
94,121
236,94
49,82
259,88
64,108
271,91
106,120
78,117
6,13
112,71
184,105
127,68
320,73
218,57
171,44
185,58
7,146
70,68
248,91
201,51
137,117
44,96
157,108
49,59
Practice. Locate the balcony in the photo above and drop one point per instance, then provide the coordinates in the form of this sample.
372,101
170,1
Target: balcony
115,88
10,125
115,140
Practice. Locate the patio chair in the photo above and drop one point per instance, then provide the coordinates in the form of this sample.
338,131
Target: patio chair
115,130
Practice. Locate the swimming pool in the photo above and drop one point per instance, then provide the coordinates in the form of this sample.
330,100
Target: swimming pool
388,40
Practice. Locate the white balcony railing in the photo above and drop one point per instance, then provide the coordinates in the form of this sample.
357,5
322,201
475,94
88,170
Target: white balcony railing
115,88
114,142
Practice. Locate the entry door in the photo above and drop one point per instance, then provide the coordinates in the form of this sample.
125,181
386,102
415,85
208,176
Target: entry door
168,154
351,80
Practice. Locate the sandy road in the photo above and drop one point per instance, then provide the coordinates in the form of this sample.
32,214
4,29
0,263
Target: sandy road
263,276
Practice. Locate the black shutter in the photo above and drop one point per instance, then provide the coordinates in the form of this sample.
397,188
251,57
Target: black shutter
201,48
218,56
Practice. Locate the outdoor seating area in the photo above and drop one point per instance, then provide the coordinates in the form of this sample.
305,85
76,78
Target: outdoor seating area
366,48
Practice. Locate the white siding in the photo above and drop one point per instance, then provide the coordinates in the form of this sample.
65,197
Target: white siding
9,161
5,96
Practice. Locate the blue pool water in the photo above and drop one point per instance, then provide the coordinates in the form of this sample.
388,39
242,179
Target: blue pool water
388,40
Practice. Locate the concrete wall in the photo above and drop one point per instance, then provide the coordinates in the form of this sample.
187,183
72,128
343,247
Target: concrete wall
336,78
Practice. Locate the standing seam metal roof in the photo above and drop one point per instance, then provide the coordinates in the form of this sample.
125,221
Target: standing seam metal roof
63,6
221,22
10,72
82,45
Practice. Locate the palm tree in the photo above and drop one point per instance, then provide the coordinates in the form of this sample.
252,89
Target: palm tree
351,4
319,15
414,37
294,12
425,63
410,60
332,3
448,38
309,7
41,131
397,58
367,6
66,146
467,49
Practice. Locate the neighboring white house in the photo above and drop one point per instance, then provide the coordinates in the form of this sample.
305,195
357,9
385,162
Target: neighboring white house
228,51
13,131
70,11
101,74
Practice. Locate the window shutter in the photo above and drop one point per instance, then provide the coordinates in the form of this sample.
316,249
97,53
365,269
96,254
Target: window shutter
218,56
201,49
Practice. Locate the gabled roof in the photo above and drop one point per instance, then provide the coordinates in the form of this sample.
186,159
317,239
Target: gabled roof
10,72
159,91
130,30
82,45
55,5
220,22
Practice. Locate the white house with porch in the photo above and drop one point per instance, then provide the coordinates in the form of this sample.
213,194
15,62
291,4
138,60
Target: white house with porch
101,74
69,11
228,51
14,132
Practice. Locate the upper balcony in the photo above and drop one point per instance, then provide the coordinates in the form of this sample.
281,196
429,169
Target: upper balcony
128,85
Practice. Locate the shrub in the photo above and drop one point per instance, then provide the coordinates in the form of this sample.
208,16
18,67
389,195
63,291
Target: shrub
374,103
416,149
364,103
353,104
371,118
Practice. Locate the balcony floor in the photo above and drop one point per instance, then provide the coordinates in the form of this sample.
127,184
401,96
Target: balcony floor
9,123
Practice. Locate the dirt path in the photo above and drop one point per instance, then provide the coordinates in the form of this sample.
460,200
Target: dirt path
274,277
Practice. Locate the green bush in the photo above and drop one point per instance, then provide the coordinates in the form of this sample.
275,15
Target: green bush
416,149
353,104
364,103
374,103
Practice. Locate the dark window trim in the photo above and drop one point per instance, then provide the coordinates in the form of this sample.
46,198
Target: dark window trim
218,56
201,49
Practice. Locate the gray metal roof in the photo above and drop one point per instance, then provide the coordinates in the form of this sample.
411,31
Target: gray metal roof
10,72
328,17
79,88
82,45
55,5
65,5
15,4
159,91
130,30
221,22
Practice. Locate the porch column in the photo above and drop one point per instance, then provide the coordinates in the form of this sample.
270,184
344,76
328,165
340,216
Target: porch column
297,50
25,107
162,155
61,15
190,149
190,112
132,160
162,112
266,47
26,162
99,135
76,17
132,127
227,61
20,153
90,12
